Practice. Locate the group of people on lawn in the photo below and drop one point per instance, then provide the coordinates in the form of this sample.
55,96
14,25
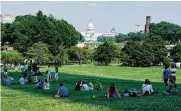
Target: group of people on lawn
169,78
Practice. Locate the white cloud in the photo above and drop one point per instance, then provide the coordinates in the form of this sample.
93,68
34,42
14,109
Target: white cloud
92,4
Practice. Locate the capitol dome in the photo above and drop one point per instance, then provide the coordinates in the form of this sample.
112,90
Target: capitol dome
91,25
7,18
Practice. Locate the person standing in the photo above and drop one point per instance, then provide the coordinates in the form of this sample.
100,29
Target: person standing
56,72
16,68
166,75
22,68
5,69
173,72
26,67
49,72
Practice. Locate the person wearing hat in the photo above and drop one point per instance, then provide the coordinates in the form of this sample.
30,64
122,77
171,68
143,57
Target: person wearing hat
98,85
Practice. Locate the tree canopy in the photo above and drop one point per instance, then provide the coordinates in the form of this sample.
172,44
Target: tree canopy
168,31
106,52
29,29
176,53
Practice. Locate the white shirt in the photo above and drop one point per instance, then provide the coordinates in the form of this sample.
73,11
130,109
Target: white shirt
16,68
173,71
147,87
21,66
86,87
49,71
22,80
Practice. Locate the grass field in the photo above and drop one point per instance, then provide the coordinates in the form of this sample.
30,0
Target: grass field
25,98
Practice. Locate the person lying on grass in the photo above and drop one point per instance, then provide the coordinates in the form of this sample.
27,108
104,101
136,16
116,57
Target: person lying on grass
112,91
172,88
46,84
39,84
79,85
85,87
132,93
98,85
91,86
62,91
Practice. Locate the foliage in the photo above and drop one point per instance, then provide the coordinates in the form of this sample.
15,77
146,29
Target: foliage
105,38
176,53
39,52
168,31
151,51
158,47
11,57
105,53
131,36
7,32
30,29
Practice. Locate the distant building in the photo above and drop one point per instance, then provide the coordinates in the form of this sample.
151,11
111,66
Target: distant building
7,18
147,26
91,35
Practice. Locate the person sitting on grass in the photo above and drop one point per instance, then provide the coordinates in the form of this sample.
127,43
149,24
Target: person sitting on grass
172,88
62,91
39,84
85,87
22,80
8,80
10,76
79,85
98,85
46,84
112,91
91,86
147,88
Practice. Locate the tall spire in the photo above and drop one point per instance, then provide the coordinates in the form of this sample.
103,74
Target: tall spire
90,20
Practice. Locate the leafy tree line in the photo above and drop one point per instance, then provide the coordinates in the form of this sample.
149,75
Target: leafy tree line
151,52
29,29
105,38
171,33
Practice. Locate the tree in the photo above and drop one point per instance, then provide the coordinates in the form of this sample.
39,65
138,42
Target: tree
105,38
75,54
30,29
168,31
158,48
7,31
151,51
105,53
136,54
175,53
39,52
11,57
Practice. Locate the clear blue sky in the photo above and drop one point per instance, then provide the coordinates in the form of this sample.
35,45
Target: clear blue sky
105,15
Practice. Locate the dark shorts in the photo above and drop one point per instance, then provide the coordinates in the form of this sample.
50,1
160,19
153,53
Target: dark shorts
173,78
165,81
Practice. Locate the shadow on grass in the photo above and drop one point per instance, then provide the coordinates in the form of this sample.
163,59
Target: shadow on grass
155,102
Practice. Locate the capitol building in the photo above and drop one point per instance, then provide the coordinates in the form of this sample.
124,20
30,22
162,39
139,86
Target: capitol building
7,18
91,35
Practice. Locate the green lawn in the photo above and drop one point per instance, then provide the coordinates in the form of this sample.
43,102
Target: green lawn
25,98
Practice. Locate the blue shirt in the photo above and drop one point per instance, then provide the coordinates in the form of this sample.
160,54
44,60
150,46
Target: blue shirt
166,73
64,91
